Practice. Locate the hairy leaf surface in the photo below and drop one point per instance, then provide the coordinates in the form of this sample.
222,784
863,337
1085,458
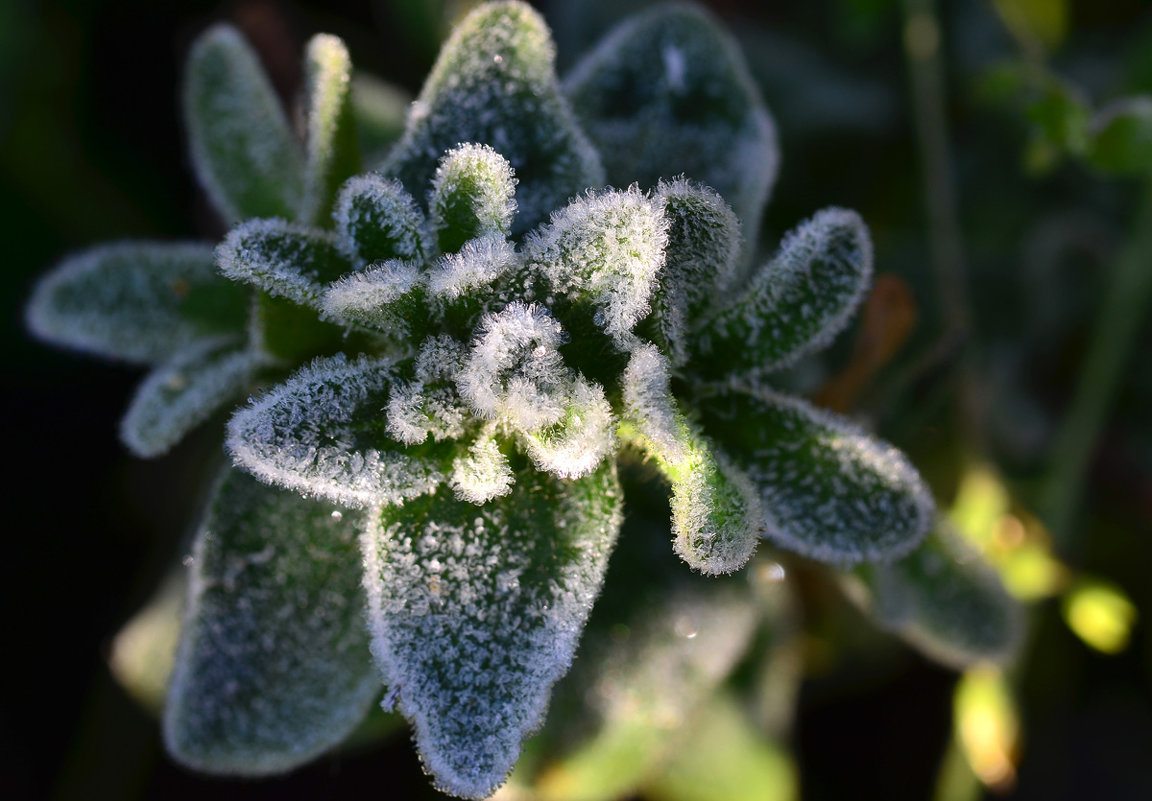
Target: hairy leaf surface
332,150
378,221
473,194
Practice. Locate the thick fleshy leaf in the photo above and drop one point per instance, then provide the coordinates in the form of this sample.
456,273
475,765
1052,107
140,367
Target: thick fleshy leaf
388,297
668,92
473,194
494,84
716,516
182,394
476,611
796,303
380,109
323,433
602,251
136,301
829,490
243,149
945,600
332,150
273,666
378,220
285,260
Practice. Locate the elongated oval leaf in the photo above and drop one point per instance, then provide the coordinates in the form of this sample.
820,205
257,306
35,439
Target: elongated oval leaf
829,490
388,297
378,220
136,301
243,149
273,666
475,613
494,84
473,194
332,150
323,433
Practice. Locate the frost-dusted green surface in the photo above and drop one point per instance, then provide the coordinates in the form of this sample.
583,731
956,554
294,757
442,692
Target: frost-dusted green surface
947,601
136,301
388,297
797,302
667,93
243,149
378,220
473,194
494,84
829,490
273,666
476,610
332,150
322,433
182,394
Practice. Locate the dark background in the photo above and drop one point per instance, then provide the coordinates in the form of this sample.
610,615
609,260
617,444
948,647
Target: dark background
91,150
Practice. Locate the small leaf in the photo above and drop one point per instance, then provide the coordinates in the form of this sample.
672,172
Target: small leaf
143,651
185,392
427,403
476,611
475,281
388,297
829,491
574,445
136,301
379,109
473,194
483,473
332,149
273,666
494,85
797,302
1122,137
668,92
243,149
945,600
378,220
322,433
285,260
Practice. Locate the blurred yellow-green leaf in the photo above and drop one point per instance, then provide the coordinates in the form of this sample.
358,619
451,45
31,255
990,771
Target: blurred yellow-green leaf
1100,614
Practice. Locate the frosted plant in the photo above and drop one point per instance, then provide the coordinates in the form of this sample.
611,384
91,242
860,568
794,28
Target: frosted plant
444,359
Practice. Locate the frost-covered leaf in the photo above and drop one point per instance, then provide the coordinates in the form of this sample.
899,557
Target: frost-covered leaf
475,613
273,666
494,84
668,92
467,284
378,220
379,109
183,393
603,251
829,490
582,438
333,153
701,259
945,600
243,149
136,301
427,403
483,472
388,297
473,194
323,433
286,260
716,515
797,302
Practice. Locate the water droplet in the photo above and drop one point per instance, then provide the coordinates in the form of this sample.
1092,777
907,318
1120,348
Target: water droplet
337,514
187,561
498,59
685,627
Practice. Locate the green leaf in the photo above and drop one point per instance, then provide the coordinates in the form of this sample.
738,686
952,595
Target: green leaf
243,149
473,194
829,491
476,611
377,220
796,303
1122,137
289,261
1038,25
494,84
136,301
947,601
668,92
323,433
332,150
273,666
185,392
387,297
379,109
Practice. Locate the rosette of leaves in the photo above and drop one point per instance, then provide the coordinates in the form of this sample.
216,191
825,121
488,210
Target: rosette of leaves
471,335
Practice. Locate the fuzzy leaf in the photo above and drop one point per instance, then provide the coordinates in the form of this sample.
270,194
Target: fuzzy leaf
582,438
797,302
467,284
427,404
332,150
476,611
285,260
273,666
473,194
322,433
668,92
945,600
494,84
243,150
379,109
603,251
136,301
716,515
388,297
484,472
829,491
185,392
378,220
